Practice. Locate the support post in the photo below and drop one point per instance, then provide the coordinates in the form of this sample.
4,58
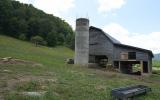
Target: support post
119,66
141,64
149,67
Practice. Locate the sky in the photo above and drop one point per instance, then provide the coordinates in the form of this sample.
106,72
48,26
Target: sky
133,22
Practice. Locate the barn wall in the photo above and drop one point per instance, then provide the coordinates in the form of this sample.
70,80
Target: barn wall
140,55
100,45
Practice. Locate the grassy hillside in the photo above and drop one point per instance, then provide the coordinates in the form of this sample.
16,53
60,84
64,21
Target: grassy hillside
49,74
24,50
156,63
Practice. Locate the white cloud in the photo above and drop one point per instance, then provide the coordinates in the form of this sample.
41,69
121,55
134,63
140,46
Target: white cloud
116,29
71,23
147,41
110,5
55,7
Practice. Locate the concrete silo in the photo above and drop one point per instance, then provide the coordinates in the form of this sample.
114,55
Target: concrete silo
82,41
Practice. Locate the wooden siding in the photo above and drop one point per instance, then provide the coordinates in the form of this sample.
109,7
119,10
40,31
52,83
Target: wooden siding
140,55
100,44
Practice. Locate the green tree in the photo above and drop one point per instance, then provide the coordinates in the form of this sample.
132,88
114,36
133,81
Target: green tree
60,39
37,40
22,37
51,39
5,14
23,21
70,42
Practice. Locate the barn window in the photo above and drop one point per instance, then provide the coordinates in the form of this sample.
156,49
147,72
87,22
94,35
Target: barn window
124,55
131,55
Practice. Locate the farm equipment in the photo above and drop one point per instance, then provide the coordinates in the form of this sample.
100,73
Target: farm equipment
125,93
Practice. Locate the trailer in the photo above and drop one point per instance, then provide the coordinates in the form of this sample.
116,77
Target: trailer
125,93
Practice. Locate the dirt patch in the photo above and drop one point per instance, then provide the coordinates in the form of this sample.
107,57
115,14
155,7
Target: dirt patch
14,61
25,79
22,83
100,87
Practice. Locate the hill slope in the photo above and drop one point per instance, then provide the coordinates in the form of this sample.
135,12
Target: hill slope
19,49
157,56
24,21
58,81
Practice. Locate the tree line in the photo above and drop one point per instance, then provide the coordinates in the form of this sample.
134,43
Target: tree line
23,21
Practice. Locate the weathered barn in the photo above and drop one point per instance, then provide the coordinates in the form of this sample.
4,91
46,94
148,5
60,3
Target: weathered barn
103,47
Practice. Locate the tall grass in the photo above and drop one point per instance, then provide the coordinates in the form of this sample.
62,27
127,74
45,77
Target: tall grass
156,63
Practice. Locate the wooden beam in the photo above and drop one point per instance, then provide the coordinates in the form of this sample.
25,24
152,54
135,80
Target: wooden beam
149,67
119,66
141,65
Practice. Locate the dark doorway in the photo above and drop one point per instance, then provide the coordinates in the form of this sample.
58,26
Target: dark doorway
116,64
125,67
145,67
101,60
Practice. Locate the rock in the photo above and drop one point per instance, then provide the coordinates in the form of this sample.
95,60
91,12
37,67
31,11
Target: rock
6,59
7,71
38,94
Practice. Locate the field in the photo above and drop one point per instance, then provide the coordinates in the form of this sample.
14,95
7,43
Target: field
156,64
44,71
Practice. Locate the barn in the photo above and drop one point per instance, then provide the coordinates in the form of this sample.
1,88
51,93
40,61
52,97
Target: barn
101,47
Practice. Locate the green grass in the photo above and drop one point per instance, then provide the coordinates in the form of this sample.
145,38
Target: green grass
59,80
156,63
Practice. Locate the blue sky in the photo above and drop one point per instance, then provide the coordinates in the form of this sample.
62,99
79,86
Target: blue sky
133,22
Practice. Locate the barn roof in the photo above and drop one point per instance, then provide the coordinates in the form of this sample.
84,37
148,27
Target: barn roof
118,43
113,40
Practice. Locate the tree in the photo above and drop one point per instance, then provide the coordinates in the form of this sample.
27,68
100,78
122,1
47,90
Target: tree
51,39
60,39
24,22
22,37
37,40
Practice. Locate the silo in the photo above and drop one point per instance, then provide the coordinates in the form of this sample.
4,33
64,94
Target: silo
82,41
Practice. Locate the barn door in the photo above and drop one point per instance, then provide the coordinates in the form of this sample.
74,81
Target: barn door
145,67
